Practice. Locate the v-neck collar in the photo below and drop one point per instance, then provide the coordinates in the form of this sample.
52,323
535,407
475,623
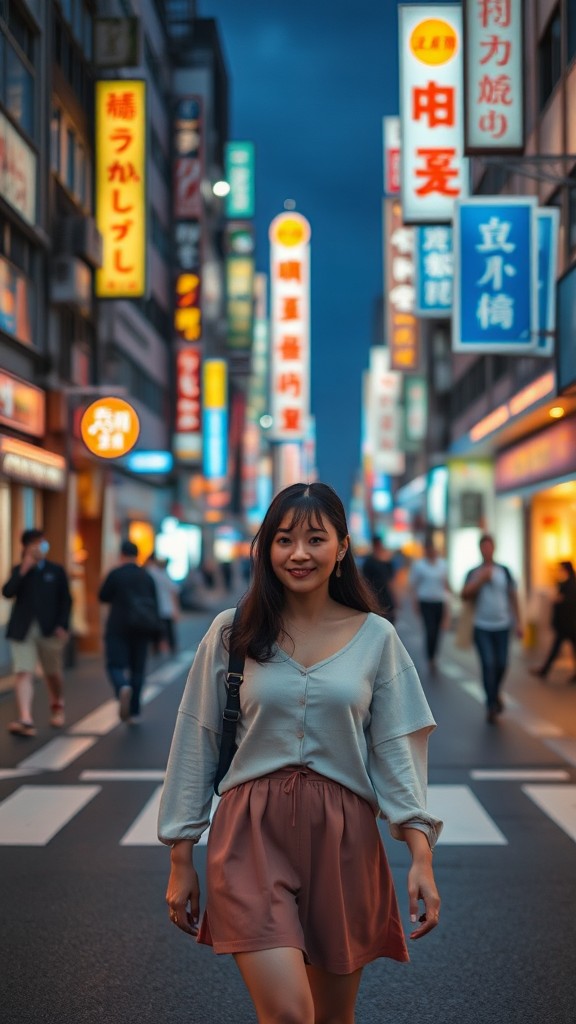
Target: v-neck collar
318,664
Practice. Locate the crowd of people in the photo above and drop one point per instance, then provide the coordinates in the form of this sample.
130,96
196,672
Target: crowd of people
326,727
145,604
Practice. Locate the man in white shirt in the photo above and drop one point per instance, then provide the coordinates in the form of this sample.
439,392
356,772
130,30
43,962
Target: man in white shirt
491,587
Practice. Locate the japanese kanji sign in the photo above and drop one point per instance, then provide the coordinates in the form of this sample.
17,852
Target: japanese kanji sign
391,147
402,328
290,326
384,417
187,442
434,171
496,275
494,93
121,187
188,157
110,427
434,270
240,176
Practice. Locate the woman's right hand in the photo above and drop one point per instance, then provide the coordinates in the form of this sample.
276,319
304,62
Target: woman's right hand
183,896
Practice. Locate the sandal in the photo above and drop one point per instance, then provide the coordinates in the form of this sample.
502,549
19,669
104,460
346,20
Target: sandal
22,728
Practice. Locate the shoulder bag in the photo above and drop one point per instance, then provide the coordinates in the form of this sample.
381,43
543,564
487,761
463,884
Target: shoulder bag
231,713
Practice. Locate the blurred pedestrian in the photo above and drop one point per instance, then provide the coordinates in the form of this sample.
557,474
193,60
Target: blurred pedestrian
492,589
37,629
428,583
378,569
563,619
167,598
133,621
333,731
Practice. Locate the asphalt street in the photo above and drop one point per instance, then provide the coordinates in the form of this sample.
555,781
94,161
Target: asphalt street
85,934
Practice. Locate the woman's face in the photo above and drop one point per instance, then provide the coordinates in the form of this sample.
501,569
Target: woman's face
303,557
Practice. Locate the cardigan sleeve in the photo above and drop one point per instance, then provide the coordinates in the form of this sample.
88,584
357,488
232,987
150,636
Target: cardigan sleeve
398,770
187,793
400,724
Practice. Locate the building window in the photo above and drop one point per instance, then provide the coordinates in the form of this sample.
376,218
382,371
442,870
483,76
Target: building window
17,79
56,140
70,159
549,54
572,214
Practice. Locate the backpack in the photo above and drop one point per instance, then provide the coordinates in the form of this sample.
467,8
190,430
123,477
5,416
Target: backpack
141,615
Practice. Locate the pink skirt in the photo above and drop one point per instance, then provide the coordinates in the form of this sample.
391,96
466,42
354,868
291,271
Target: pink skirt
295,859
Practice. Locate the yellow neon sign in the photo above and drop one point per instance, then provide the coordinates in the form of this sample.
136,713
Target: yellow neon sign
121,187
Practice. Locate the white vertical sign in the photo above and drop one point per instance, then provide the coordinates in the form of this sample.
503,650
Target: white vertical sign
384,423
290,326
434,170
494,76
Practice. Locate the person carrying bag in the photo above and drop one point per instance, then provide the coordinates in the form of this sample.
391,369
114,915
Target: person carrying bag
330,726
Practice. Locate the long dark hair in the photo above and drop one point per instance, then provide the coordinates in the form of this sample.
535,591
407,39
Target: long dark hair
260,621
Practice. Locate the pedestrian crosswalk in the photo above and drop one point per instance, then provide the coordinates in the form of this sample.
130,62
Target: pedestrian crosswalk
33,815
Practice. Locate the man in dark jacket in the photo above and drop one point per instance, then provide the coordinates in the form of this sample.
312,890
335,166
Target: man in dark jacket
378,570
132,622
37,628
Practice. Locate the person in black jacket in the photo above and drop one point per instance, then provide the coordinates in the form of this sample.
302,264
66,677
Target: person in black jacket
133,621
378,570
563,619
37,629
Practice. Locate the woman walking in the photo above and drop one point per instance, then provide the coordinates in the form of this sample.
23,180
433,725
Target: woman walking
333,731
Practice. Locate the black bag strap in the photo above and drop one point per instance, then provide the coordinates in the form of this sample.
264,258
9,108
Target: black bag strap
231,713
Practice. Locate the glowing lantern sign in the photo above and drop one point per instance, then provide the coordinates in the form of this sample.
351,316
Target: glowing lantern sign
110,427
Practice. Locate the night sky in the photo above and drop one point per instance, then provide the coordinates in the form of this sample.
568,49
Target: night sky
309,84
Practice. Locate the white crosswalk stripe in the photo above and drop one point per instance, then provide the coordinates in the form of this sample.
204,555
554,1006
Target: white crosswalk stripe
558,802
34,815
466,823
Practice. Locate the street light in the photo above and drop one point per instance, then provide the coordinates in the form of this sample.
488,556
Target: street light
221,188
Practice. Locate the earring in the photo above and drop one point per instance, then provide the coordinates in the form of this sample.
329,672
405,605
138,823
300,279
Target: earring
338,572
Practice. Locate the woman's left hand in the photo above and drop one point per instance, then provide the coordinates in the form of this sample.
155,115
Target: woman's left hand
421,886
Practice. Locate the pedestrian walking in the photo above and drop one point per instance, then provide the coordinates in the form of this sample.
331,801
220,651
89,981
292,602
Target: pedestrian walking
333,731
37,629
167,599
428,582
133,621
378,569
492,589
563,619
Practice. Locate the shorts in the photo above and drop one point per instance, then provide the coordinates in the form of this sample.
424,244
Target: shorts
34,648
295,859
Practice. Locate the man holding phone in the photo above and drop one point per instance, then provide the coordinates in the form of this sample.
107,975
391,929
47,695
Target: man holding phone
37,629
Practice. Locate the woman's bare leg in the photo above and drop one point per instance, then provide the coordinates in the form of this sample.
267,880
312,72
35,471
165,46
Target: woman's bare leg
278,985
334,995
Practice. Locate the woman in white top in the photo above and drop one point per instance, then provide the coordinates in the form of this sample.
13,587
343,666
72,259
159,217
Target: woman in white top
333,732
429,585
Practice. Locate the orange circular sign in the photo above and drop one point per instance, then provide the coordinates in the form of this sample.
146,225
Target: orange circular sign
290,229
110,427
434,41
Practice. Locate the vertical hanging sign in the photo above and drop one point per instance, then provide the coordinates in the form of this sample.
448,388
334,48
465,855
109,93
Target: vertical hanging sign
391,146
402,327
120,188
494,74
215,418
290,326
496,275
434,170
